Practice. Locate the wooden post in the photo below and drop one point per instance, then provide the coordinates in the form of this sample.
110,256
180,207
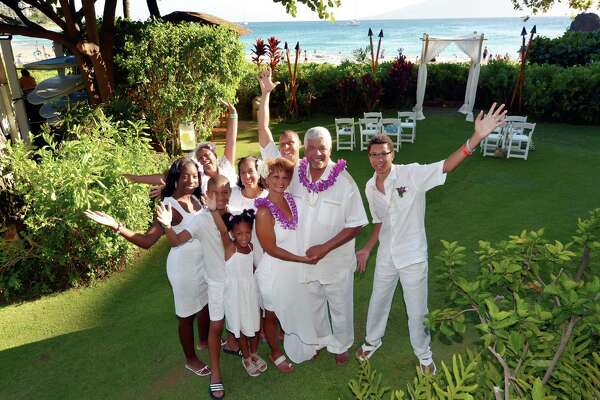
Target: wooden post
6,104
15,89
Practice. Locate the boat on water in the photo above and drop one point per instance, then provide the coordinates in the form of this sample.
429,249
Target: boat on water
353,22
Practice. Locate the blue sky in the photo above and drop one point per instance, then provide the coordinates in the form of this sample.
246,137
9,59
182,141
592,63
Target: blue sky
267,10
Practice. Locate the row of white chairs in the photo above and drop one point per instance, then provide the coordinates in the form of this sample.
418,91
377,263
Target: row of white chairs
516,138
400,129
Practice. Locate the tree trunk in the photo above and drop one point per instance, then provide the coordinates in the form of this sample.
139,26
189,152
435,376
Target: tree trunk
126,9
153,8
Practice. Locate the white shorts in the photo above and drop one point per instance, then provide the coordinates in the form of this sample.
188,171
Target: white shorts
216,300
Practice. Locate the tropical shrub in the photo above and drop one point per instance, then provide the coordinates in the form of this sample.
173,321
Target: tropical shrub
60,248
572,48
534,304
179,72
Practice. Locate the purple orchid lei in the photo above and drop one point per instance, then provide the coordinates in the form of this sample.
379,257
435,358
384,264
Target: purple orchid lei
285,223
322,184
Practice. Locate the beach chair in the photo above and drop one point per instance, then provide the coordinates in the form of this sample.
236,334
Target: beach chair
344,132
392,128
519,140
408,123
368,128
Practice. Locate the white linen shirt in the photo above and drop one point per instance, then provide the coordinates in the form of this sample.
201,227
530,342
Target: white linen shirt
401,211
203,228
325,215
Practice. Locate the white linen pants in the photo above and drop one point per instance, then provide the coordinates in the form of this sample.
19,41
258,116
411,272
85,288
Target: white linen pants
413,279
333,312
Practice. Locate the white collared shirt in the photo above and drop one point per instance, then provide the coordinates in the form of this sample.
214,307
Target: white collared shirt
203,228
401,210
325,215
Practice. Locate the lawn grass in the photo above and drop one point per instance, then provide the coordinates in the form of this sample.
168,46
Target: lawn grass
117,339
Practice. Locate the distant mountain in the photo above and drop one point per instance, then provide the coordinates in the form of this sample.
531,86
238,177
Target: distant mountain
424,9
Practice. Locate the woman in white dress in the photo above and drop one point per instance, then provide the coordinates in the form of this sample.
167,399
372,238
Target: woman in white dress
185,266
278,274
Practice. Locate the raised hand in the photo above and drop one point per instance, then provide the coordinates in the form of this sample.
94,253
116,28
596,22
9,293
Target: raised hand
164,214
266,82
102,218
485,124
211,202
230,107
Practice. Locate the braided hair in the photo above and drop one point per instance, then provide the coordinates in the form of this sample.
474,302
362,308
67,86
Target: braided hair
231,220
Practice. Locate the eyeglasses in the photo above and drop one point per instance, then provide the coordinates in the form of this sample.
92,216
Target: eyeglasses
378,155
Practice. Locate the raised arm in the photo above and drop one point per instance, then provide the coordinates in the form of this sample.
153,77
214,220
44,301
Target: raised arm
268,241
164,215
362,255
211,203
153,179
231,136
266,86
484,125
143,240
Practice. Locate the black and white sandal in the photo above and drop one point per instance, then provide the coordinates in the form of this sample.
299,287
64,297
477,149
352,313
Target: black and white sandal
216,387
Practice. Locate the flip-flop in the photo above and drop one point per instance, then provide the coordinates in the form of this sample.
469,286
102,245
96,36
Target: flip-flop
279,363
229,351
216,387
259,362
204,371
367,350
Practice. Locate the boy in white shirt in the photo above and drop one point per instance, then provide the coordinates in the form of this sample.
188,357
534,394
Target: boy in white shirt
396,196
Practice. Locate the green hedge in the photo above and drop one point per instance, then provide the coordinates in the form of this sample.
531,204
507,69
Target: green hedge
60,248
551,92
572,48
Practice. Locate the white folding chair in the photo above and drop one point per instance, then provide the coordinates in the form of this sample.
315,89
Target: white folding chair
373,114
517,118
344,131
493,141
368,128
408,123
519,140
392,128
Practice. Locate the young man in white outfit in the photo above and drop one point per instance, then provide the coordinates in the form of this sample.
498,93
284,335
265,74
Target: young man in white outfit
396,196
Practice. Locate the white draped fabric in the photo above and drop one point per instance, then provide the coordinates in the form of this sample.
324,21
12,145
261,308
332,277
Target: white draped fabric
432,47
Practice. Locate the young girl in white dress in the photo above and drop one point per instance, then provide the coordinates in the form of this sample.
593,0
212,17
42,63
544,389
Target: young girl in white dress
242,312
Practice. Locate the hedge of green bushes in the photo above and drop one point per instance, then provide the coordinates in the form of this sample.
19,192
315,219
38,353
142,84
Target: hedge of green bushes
58,247
551,92
572,48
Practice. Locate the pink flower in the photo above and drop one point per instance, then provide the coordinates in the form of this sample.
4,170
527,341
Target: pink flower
322,184
278,214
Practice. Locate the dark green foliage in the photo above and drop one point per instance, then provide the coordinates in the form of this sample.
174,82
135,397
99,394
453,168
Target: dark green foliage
60,247
179,72
572,48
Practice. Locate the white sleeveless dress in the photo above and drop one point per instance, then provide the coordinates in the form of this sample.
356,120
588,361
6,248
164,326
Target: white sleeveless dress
185,268
242,312
279,285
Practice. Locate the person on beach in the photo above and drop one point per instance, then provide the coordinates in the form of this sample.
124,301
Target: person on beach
185,266
203,228
284,297
206,155
396,197
242,312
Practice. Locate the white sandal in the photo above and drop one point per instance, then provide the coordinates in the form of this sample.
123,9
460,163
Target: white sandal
250,367
367,351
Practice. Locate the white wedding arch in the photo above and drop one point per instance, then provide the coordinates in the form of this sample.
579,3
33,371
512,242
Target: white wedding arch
471,45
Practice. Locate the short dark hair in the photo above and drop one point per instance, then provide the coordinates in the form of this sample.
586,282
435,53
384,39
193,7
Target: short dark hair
231,220
381,138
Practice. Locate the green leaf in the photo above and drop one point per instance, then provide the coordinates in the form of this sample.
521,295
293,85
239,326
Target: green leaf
537,390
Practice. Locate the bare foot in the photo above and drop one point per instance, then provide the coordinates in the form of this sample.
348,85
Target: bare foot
341,359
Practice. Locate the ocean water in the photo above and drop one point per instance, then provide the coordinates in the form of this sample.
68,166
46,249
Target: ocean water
339,39
336,41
